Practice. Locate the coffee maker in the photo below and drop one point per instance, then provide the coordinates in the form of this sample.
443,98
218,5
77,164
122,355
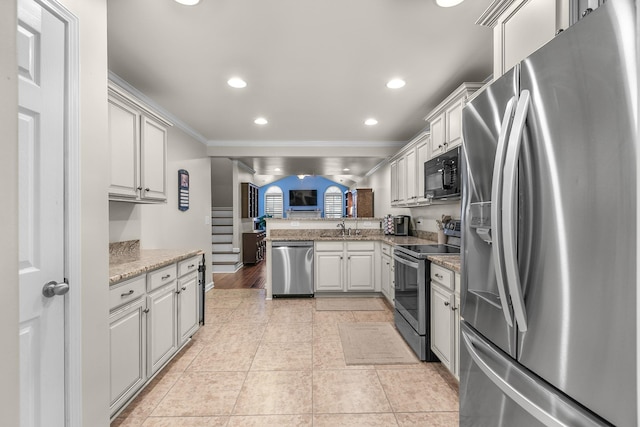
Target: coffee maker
401,225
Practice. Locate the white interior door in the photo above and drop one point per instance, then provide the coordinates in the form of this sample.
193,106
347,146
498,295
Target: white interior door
41,63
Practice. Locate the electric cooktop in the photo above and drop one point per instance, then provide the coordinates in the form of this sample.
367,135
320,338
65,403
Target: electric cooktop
421,251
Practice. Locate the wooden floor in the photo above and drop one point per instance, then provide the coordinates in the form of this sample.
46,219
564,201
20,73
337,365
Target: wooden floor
248,277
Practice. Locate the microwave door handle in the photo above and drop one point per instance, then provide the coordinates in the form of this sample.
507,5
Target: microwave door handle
509,209
496,211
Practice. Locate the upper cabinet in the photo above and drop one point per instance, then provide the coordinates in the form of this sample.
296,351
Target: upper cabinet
137,150
512,21
446,120
407,172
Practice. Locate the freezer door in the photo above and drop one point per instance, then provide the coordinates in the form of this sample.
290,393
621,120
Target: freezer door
484,302
577,214
496,392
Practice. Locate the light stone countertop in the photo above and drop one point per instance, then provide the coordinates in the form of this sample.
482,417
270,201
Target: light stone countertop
126,266
452,262
331,236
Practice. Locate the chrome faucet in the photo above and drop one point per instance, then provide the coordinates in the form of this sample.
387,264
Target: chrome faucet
341,224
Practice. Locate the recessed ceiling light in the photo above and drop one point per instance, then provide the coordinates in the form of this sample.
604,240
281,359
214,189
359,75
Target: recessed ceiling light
396,83
277,169
371,122
346,170
260,121
236,82
188,2
448,3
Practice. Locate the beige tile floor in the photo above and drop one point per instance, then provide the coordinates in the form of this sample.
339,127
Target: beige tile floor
280,363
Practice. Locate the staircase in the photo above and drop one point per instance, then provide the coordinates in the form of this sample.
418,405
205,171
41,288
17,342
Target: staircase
224,258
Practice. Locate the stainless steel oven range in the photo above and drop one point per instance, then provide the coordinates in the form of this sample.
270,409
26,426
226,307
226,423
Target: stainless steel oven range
412,294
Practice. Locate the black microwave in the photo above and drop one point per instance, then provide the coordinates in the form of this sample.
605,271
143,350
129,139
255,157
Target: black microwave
442,176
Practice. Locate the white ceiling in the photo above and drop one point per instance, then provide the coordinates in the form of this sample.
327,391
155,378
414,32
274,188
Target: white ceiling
315,69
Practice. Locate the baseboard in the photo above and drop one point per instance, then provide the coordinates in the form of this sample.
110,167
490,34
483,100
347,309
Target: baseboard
209,286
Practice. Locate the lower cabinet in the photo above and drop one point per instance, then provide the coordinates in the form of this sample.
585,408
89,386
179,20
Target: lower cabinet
162,324
152,316
188,303
386,273
445,317
127,351
345,266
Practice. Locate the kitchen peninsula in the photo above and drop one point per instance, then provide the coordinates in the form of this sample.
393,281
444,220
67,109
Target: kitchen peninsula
356,232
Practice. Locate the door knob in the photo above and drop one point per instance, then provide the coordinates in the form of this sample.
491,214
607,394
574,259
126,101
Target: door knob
54,288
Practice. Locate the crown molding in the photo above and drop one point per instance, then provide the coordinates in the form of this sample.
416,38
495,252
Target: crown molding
489,17
158,108
322,144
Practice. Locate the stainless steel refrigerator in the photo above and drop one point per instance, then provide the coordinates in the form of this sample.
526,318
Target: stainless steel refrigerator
549,247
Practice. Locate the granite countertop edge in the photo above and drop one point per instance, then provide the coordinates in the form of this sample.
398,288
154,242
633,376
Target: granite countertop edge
452,262
389,239
123,267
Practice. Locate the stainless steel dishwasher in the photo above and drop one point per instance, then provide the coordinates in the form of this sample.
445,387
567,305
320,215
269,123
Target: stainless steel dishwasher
292,268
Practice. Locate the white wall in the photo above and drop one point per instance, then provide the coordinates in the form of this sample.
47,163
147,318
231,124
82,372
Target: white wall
9,365
221,182
94,287
124,222
163,225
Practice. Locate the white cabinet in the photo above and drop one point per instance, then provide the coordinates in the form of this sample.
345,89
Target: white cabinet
137,150
442,319
411,177
407,172
345,266
188,303
446,120
127,351
394,182
360,270
423,146
445,317
152,316
162,325
386,272
512,21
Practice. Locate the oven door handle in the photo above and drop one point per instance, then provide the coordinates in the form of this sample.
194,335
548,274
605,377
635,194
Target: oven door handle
406,261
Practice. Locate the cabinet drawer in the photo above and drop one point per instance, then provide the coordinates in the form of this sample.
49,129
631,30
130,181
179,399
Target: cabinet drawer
160,277
125,292
386,249
442,276
361,246
328,246
187,266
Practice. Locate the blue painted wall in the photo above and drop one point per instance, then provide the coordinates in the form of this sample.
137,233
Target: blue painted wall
308,183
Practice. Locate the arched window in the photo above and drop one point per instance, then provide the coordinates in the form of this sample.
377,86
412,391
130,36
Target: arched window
273,201
333,202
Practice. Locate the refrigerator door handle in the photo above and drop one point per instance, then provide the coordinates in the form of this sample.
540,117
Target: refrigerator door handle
538,399
509,209
496,210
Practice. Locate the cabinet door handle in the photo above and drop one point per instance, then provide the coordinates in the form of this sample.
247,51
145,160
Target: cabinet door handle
126,294
139,188
454,308
587,11
146,310
446,303
178,292
191,266
165,277
184,288
147,189
439,276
